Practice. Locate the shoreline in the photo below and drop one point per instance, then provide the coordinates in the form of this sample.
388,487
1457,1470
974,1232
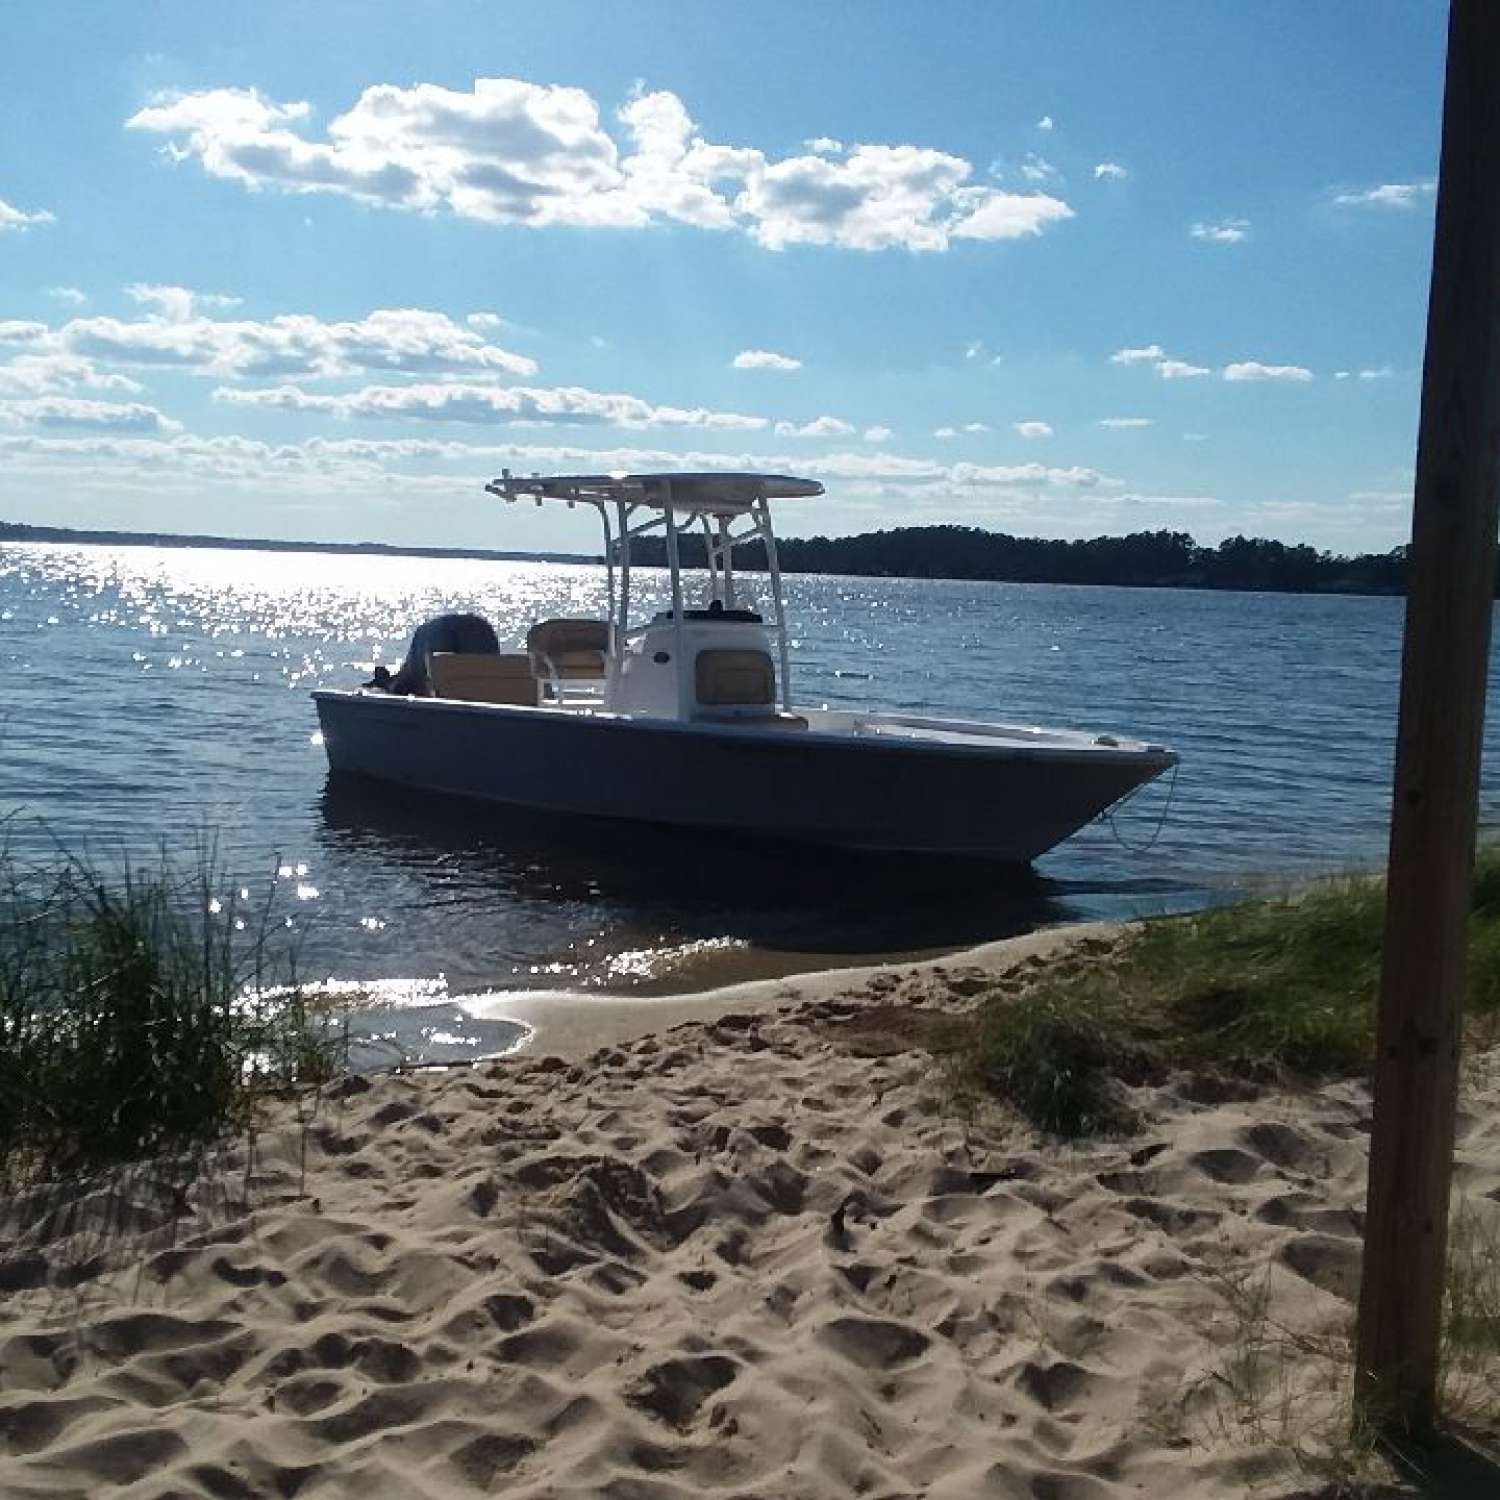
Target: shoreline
573,1024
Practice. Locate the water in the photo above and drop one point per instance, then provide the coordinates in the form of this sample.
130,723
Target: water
155,695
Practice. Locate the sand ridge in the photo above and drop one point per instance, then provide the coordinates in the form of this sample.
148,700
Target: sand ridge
741,1257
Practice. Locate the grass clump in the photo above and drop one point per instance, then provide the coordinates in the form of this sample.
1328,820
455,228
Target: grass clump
1270,990
1055,1061
136,1017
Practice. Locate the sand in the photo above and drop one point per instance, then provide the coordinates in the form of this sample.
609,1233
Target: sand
751,1254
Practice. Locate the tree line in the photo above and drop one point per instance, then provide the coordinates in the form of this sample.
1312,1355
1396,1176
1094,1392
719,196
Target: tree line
1144,559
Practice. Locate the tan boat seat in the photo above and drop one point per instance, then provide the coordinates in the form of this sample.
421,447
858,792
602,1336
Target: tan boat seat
735,679
485,678
568,648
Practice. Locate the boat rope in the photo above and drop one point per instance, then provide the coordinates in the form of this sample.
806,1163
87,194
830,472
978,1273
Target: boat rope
1110,815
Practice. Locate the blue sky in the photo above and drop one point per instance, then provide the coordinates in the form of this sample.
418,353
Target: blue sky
316,271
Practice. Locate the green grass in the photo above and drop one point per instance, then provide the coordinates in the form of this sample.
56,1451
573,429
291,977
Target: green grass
1271,990
138,1015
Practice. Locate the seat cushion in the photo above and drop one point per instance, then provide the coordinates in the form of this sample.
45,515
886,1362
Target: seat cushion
483,679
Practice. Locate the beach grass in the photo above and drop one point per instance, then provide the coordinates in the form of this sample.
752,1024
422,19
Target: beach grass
141,1011
1273,990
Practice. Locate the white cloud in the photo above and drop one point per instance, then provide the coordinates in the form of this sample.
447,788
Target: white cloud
1158,358
1037,168
824,145
1032,429
14,219
401,340
1388,195
1180,369
1124,422
423,469
459,402
1384,372
1340,374
764,359
817,428
15,331
974,348
68,294
52,372
485,322
1149,355
877,434
1045,123
945,432
976,427
1110,171
512,152
70,412
1253,369
177,304
1224,232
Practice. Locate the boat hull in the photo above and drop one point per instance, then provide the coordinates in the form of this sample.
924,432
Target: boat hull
1009,802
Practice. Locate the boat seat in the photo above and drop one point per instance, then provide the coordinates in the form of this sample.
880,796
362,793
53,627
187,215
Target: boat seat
568,648
484,678
735,679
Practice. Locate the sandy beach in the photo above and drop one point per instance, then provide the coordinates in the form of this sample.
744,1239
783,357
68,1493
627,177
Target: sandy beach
742,1245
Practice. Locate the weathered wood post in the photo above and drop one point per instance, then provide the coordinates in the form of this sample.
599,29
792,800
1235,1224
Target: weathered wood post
1445,662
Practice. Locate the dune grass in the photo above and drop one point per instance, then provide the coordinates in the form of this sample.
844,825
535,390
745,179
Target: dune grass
1267,990
139,1013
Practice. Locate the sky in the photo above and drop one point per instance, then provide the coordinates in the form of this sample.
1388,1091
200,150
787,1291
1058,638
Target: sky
319,271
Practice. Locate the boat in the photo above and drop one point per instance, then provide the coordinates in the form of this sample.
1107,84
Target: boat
687,716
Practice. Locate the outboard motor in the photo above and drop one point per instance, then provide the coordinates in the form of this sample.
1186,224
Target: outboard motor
469,635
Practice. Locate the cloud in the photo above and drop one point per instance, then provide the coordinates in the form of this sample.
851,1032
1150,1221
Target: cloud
817,428
16,331
764,359
976,427
1037,168
459,402
1124,422
1032,429
1158,358
52,372
68,294
1225,232
485,322
297,345
974,348
1110,171
877,434
1252,369
1150,354
1180,369
177,304
1384,372
1045,123
512,152
1388,195
945,432
824,145
70,412
14,219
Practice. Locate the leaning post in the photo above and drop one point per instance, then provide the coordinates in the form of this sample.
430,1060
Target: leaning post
1444,669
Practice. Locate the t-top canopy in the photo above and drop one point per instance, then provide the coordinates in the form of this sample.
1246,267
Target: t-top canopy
707,494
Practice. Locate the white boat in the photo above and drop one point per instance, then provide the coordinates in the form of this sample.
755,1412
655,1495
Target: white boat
688,718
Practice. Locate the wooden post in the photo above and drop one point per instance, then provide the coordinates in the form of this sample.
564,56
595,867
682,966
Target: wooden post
1444,668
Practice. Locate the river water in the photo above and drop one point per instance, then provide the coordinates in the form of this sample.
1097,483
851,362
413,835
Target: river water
158,698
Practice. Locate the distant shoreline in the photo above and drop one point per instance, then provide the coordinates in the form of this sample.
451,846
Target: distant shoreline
12,531
1150,560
